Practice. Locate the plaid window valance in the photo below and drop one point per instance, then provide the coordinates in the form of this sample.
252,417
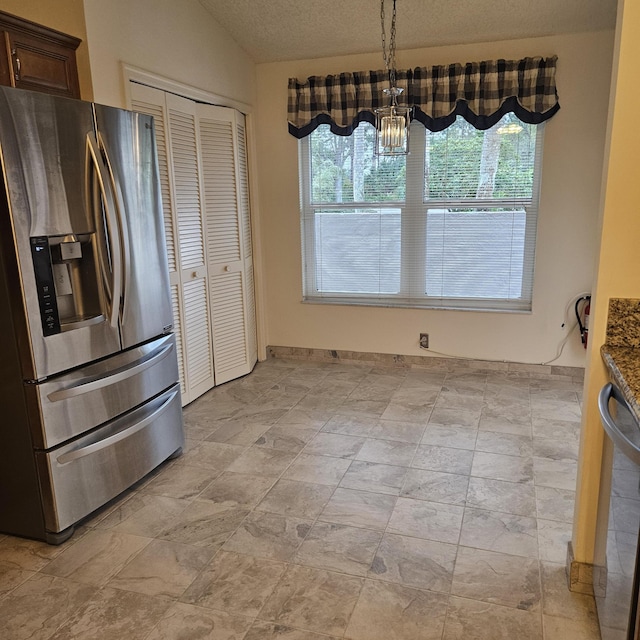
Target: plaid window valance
480,92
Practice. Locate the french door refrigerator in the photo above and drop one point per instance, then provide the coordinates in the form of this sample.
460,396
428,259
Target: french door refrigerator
89,392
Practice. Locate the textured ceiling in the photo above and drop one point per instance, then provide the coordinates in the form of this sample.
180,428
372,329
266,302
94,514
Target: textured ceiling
276,30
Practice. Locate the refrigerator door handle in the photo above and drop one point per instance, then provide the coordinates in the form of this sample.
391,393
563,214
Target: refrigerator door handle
120,213
92,200
91,383
111,229
65,458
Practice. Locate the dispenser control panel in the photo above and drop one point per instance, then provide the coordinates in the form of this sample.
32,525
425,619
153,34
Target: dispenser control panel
45,283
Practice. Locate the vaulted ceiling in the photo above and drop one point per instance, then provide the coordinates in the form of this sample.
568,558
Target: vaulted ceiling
276,30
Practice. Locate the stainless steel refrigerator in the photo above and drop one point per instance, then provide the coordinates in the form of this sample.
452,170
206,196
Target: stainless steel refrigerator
89,393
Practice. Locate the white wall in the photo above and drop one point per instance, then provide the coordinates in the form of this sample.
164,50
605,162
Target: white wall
567,229
178,40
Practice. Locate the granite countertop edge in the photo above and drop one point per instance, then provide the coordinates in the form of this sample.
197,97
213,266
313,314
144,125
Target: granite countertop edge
624,366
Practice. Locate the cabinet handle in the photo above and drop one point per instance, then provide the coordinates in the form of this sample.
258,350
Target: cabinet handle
16,74
226,268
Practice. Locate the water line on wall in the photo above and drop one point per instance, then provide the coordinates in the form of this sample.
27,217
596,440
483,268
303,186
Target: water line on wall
568,310
571,305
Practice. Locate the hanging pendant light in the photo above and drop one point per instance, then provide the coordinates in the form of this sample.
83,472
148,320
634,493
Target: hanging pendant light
392,122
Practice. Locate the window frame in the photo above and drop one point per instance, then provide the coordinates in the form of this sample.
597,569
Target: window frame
413,216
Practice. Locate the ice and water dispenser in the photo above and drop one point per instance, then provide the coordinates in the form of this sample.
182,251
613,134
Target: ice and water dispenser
67,280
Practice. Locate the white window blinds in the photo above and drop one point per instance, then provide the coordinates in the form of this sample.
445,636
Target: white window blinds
451,225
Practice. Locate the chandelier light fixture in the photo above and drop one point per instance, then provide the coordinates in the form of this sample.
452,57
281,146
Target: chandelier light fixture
392,122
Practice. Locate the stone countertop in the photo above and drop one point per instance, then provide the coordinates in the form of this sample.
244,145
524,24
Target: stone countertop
624,366
621,351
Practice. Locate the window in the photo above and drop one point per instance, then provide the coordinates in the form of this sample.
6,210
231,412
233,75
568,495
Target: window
451,225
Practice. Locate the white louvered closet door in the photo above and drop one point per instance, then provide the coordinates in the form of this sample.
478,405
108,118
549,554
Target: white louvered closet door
205,194
231,288
152,102
178,158
187,191
245,217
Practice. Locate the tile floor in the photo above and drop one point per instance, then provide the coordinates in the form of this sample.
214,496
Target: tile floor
318,501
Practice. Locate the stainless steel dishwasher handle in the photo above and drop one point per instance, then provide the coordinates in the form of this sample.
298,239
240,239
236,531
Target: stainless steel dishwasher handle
619,439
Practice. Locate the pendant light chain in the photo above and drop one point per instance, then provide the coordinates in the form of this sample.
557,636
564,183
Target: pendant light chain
390,57
392,122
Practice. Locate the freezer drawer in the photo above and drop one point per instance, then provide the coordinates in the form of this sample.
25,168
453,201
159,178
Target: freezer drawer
79,477
69,405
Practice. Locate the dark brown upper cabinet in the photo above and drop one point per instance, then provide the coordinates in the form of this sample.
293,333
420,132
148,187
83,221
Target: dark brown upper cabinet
38,58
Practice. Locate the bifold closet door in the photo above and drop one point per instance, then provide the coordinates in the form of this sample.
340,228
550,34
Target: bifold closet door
202,154
245,218
228,240
177,140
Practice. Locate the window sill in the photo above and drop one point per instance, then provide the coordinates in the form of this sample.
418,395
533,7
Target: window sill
434,305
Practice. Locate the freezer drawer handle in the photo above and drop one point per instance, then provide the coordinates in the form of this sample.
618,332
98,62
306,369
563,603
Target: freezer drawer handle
65,458
619,439
91,383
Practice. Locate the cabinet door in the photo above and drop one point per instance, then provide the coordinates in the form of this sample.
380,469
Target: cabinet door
225,243
41,65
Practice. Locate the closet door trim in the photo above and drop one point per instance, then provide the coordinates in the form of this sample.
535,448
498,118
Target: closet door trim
150,79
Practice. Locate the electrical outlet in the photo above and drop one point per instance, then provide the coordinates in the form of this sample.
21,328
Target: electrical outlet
424,340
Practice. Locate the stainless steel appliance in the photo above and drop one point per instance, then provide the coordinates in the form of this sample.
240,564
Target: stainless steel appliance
616,574
88,371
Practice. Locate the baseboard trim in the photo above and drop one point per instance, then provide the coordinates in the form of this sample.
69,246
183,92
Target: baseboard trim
580,575
424,362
